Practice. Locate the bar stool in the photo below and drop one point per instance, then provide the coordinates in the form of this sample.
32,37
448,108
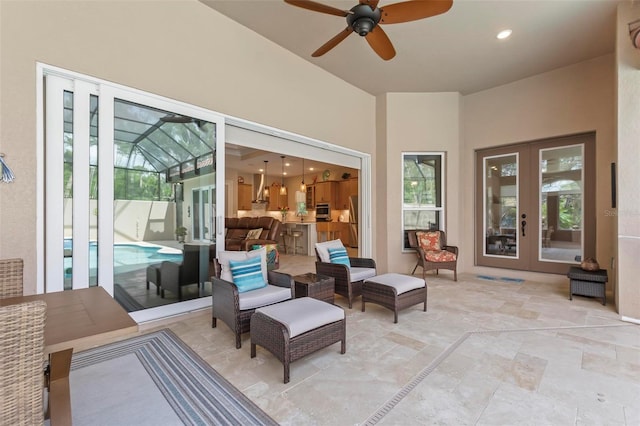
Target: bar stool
295,234
283,234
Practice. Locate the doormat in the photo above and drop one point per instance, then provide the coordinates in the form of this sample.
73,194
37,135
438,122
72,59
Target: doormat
503,279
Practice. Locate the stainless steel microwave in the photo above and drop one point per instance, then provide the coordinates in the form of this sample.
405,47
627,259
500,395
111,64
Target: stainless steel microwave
323,212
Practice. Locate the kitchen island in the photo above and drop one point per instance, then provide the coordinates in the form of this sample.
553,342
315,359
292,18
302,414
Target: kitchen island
306,243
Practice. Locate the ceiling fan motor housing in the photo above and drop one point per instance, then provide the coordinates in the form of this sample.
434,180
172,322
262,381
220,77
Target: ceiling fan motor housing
363,19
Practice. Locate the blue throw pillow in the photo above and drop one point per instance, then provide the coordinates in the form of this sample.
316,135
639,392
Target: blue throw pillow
339,255
247,274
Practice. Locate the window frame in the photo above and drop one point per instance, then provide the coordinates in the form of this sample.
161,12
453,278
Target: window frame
440,209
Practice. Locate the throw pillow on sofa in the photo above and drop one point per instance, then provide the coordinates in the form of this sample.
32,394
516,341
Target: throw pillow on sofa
254,234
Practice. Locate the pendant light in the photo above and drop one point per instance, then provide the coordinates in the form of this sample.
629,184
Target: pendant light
283,189
303,187
266,180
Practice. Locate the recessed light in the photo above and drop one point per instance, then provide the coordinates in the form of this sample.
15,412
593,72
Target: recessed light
503,34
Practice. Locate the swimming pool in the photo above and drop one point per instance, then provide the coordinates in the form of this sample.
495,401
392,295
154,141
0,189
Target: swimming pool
126,256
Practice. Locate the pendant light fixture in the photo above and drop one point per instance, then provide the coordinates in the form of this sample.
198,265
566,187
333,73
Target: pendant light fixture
303,187
266,180
283,189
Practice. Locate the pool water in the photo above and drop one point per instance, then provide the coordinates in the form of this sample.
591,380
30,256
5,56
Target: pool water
126,256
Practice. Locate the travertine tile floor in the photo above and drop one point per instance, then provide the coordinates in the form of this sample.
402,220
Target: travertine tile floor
485,353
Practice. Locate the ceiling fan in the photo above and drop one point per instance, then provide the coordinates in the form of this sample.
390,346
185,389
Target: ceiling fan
365,17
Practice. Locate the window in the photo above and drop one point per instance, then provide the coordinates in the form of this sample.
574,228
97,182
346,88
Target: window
423,190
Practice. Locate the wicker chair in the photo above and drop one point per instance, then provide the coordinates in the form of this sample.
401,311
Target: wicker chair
11,278
22,355
348,280
226,301
430,265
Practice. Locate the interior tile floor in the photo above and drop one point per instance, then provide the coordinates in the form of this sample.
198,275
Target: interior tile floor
485,353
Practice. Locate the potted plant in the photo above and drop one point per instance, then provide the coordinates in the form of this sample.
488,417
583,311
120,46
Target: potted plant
181,232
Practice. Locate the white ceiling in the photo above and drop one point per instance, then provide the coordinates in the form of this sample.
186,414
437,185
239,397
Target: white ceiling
456,51
248,161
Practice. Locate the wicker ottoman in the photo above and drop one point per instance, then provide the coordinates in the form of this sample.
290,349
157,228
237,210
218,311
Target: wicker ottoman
395,292
295,328
587,283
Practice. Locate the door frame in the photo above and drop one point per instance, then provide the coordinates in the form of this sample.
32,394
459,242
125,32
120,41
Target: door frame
528,189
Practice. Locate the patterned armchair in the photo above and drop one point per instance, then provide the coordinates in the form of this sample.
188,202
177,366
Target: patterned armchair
433,252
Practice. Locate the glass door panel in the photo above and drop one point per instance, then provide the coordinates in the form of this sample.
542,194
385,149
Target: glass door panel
501,205
561,203
204,214
503,235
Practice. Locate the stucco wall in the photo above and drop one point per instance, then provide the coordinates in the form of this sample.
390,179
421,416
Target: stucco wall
570,100
420,122
628,128
179,49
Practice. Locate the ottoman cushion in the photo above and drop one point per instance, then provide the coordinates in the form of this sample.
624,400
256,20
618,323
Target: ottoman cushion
303,314
402,283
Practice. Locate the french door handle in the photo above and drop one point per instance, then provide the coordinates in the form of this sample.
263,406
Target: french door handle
524,225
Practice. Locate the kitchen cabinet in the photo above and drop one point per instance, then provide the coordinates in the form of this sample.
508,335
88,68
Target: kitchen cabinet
311,197
333,231
275,199
244,196
346,188
325,192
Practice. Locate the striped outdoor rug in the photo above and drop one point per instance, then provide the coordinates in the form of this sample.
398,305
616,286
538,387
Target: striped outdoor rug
197,393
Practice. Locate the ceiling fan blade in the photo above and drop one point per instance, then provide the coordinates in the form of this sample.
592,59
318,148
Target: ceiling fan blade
372,3
332,43
413,10
318,7
380,43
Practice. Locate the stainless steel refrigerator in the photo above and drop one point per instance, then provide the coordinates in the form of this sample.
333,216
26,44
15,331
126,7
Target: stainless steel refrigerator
353,221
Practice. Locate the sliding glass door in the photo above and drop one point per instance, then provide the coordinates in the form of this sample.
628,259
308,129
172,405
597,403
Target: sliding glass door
118,166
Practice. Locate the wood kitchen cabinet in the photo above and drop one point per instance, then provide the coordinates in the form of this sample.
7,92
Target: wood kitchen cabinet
346,188
325,192
275,199
310,200
333,230
244,196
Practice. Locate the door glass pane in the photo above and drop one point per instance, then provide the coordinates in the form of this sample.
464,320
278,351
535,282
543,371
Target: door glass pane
501,205
161,162
206,214
68,189
196,214
561,203
93,192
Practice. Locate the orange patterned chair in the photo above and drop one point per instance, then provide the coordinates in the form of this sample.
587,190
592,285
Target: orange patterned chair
433,252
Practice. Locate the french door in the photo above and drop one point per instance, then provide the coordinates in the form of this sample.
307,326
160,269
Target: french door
533,212
204,213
